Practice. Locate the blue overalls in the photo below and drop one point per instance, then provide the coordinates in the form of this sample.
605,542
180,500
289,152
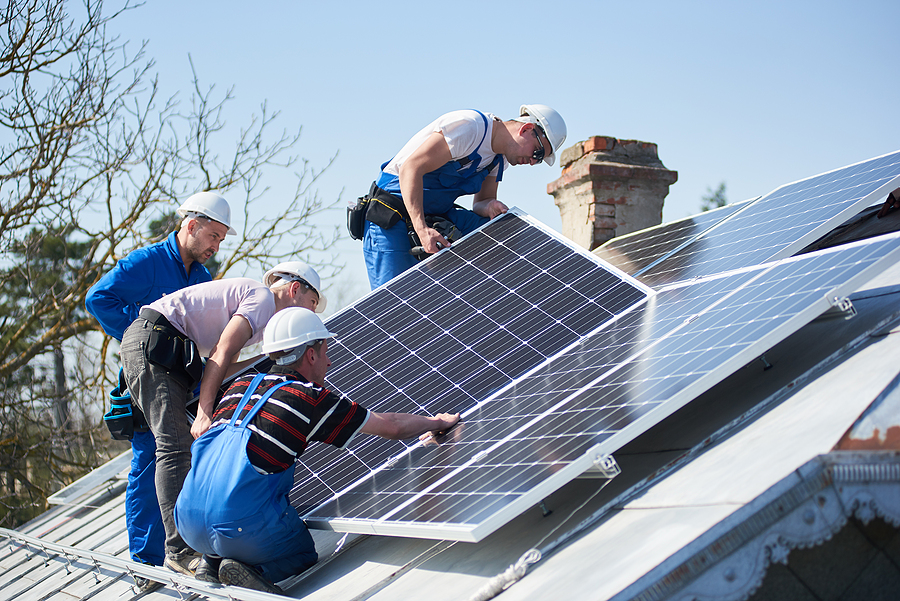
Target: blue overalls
387,250
229,509
141,277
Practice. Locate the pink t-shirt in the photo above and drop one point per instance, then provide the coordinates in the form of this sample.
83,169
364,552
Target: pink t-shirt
202,311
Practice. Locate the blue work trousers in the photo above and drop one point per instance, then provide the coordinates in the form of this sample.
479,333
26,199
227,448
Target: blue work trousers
387,250
146,535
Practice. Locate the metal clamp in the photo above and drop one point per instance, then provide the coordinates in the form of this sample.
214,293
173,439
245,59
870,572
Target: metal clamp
841,307
606,465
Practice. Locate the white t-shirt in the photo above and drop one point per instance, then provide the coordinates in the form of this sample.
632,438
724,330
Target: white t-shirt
202,311
463,130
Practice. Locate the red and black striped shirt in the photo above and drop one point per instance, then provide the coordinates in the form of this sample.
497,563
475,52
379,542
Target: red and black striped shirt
295,415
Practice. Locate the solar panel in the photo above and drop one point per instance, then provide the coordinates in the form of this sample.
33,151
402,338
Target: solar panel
782,222
633,253
446,334
535,434
557,359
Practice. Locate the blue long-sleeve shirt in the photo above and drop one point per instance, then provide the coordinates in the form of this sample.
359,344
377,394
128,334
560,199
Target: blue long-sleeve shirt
143,276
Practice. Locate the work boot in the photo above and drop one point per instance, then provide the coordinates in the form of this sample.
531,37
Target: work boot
240,574
208,569
145,585
184,563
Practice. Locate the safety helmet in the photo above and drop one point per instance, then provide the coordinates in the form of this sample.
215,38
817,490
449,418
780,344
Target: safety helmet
297,271
290,329
211,205
550,121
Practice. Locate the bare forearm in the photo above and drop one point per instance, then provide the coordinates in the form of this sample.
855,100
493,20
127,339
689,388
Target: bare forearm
213,376
240,365
412,191
226,350
400,426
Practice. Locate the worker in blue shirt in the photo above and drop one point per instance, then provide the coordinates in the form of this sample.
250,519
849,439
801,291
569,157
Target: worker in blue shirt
142,277
460,153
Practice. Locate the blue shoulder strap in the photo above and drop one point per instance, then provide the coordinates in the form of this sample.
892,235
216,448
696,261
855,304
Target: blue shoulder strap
483,118
498,160
254,384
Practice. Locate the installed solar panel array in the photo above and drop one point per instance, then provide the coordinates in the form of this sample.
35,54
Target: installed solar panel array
551,371
637,252
780,223
535,435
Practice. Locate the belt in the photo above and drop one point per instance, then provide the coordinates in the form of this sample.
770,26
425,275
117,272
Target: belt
158,319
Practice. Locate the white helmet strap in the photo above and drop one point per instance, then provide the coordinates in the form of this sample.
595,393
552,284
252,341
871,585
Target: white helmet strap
295,353
188,215
288,359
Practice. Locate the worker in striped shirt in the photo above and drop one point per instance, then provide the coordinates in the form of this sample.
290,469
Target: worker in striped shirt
234,505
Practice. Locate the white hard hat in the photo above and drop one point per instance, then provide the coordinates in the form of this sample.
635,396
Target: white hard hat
292,328
297,271
550,121
211,205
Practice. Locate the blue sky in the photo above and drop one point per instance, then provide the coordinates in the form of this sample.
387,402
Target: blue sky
755,94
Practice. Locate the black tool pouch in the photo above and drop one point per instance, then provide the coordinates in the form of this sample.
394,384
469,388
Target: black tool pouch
165,349
175,354
119,420
384,209
193,362
356,217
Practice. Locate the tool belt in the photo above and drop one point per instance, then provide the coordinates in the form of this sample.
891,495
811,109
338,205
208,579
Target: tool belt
381,208
386,210
173,351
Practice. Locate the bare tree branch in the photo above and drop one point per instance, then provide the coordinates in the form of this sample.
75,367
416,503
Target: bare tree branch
90,155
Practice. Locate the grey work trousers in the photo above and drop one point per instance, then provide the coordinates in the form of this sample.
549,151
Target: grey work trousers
162,398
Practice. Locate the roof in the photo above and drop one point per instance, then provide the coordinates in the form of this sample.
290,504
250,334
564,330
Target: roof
706,500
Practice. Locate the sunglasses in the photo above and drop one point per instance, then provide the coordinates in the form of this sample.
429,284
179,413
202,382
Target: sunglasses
538,154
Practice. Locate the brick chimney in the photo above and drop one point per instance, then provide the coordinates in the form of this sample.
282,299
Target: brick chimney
610,187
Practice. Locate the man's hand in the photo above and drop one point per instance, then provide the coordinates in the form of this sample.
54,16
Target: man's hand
495,208
432,240
200,425
447,421
489,208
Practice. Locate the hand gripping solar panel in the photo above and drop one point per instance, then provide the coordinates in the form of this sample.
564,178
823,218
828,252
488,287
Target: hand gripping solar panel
782,222
446,334
538,432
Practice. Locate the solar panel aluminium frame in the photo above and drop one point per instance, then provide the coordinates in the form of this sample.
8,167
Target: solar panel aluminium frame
107,472
598,452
